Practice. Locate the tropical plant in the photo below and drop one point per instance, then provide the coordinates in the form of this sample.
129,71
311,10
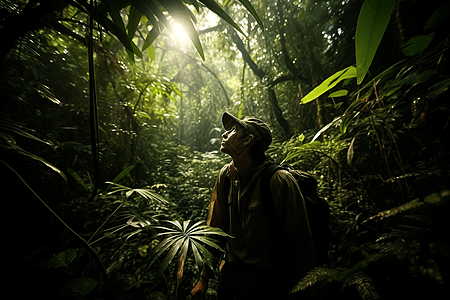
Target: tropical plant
183,238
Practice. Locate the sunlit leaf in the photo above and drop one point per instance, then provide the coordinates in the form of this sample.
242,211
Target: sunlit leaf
350,151
325,128
340,93
329,83
144,192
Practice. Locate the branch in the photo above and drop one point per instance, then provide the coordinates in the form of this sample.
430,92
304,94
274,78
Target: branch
281,79
246,56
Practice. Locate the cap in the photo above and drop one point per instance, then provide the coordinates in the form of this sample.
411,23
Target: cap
259,129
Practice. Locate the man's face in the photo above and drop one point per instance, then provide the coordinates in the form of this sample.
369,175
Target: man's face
233,141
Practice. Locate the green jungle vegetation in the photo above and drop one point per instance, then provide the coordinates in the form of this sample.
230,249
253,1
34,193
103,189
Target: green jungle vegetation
111,122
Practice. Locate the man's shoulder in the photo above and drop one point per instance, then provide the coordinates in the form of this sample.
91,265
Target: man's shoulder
225,170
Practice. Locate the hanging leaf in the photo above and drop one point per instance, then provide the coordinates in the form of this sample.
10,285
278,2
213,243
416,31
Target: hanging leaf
372,23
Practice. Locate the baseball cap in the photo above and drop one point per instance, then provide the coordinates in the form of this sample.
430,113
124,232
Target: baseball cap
259,129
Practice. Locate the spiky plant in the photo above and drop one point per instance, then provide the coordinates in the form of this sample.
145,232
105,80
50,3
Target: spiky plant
182,238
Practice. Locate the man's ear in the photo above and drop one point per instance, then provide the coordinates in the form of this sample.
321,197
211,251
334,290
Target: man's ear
249,139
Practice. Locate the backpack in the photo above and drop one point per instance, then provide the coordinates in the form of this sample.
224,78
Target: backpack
317,208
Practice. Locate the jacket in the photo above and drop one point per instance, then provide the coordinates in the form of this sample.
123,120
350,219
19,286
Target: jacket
285,244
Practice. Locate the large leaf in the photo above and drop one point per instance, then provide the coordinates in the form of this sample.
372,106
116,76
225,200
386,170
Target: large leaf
417,44
330,83
78,288
62,259
372,23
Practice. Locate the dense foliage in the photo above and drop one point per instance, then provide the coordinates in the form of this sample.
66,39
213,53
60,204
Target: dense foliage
110,126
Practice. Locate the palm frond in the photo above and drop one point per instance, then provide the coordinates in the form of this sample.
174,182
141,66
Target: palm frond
180,237
144,192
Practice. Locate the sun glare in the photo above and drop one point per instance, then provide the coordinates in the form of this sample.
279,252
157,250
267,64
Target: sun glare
210,19
178,33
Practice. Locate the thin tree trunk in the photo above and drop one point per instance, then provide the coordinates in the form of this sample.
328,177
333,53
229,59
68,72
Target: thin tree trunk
261,74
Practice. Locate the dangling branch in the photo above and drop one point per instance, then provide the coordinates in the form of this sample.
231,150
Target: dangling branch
262,76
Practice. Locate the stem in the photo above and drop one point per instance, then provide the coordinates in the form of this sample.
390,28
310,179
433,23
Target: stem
93,118
89,241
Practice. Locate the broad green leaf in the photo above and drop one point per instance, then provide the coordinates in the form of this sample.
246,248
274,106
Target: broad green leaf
330,83
62,259
78,287
340,93
417,44
372,23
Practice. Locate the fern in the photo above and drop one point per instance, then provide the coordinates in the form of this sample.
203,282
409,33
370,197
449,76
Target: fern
315,276
365,286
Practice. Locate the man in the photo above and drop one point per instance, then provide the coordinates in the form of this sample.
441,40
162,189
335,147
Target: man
265,257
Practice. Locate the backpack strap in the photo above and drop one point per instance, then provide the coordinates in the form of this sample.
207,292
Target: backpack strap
266,194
